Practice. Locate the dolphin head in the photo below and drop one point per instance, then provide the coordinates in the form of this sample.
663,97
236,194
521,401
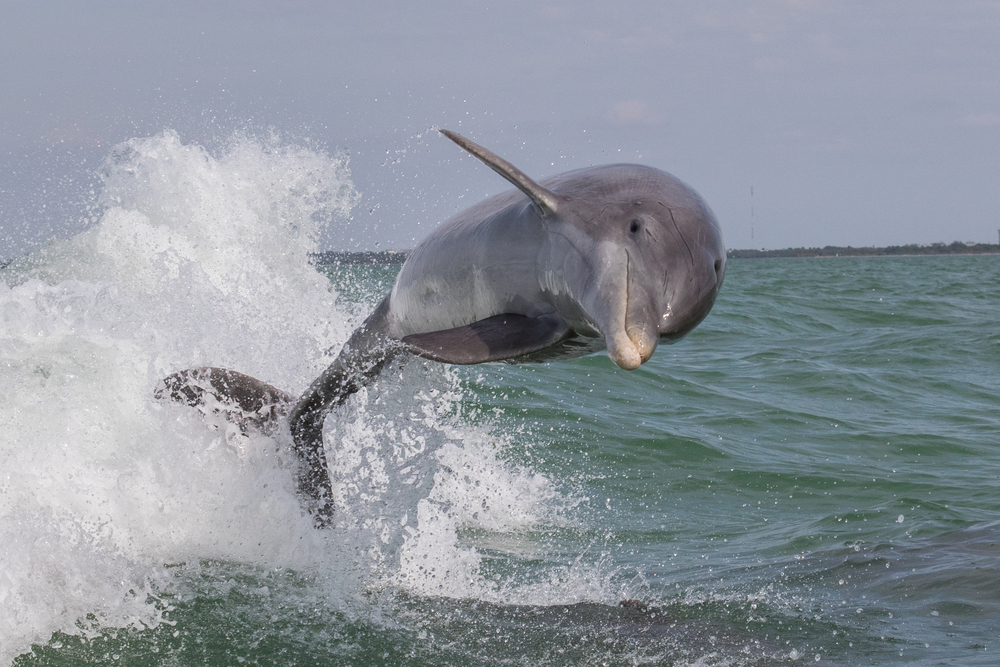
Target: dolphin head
651,257
633,254
676,264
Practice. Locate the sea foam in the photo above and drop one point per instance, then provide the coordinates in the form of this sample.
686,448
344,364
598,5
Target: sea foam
197,259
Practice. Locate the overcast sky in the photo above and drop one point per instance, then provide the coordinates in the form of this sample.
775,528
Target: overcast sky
854,123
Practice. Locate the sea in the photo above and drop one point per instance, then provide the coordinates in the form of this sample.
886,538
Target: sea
812,476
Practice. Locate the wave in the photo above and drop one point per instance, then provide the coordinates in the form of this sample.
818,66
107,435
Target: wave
198,259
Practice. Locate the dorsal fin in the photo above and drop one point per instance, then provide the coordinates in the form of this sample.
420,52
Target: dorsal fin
546,200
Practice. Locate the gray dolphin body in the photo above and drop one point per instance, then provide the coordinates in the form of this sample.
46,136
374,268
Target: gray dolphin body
618,257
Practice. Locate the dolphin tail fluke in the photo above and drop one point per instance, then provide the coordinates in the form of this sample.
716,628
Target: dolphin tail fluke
245,401
255,406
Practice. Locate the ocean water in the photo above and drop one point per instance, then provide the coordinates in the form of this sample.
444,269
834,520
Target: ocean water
812,476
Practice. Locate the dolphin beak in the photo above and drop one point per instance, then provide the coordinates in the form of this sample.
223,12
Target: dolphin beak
624,353
633,341
633,347
644,338
626,349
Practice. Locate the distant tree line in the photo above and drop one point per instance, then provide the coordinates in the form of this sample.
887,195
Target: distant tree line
956,248
390,257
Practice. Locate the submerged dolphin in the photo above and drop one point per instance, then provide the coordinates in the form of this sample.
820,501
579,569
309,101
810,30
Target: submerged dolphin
619,257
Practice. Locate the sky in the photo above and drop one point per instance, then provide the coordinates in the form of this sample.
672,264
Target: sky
801,123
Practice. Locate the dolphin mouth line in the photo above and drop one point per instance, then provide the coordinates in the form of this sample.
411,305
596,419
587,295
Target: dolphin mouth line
628,304
642,349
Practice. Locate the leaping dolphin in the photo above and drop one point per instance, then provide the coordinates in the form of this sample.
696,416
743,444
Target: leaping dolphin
620,257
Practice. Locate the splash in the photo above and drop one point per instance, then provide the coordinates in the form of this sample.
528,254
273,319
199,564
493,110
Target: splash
192,260
198,259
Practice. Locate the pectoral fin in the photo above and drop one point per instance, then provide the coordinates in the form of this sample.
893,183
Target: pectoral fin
504,336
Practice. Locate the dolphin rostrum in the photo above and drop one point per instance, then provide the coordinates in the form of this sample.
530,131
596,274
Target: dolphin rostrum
619,256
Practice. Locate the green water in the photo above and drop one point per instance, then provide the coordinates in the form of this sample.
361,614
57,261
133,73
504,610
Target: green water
812,475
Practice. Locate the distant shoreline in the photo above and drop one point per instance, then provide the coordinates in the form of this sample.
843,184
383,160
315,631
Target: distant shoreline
396,257
392,257
956,248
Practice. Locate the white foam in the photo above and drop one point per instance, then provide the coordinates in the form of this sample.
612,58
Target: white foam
411,473
194,260
199,259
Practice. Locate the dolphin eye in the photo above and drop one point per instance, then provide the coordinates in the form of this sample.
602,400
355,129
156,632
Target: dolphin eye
634,227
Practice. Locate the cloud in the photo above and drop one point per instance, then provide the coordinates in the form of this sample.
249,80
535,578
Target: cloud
827,45
770,64
763,21
980,120
633,112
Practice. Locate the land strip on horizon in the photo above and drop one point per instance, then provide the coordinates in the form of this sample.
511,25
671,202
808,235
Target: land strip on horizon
388,257
956,248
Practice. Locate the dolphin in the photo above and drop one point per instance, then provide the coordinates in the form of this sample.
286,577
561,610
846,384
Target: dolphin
618,257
